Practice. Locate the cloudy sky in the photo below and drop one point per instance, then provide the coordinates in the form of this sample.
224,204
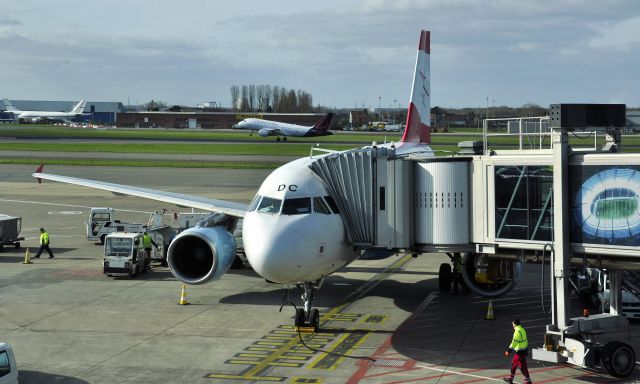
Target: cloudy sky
345,53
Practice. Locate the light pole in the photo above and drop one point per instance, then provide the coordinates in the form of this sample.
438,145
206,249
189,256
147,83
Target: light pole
379,108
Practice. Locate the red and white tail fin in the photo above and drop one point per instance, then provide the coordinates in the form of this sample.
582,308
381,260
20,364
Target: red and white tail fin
418,129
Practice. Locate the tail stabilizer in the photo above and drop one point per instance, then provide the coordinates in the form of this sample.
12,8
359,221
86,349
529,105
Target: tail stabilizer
9,106
418,127
324,123
79,108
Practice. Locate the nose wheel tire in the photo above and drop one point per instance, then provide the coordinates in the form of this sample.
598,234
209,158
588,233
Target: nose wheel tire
301,323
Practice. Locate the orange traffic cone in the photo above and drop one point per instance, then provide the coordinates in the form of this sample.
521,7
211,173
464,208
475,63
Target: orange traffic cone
183,295
27,257
490,315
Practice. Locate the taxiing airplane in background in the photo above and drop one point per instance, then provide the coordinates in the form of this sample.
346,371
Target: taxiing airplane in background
293,230
273,128
51,115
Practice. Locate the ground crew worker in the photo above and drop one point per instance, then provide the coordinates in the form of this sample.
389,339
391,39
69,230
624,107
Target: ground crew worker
457,272
520,346
44,244
147,242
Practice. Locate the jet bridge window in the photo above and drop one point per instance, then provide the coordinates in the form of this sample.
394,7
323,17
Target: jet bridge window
319,206
299,206
269,205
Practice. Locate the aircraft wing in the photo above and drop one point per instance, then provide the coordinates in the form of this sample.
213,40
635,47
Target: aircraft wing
197,202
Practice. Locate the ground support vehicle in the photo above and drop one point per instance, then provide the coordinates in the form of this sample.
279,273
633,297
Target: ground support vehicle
9,230
102,222
124,254
8,366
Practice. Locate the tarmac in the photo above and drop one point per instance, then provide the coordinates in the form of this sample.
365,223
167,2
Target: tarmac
382,321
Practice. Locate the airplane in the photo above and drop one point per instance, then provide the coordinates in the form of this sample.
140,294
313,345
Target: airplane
274,128
293,231
51,115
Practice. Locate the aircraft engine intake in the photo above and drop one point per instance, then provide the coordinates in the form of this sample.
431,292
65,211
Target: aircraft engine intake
489,277
265,132
200,254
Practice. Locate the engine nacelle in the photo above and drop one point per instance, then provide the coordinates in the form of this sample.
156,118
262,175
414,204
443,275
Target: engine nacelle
489,277
200,254
266,132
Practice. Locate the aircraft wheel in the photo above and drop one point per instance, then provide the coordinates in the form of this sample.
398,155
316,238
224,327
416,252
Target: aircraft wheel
299,320
17,245
314,318
277,138
1,247
619,359
444,277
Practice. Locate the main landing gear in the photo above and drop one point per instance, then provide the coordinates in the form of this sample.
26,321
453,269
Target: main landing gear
307,318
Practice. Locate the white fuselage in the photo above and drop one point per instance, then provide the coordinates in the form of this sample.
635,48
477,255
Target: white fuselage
45,115
290,233
270,128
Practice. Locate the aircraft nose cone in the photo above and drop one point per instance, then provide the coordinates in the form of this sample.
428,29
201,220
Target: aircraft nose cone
274,253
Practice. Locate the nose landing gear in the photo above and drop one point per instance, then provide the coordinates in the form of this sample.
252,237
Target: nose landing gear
307,319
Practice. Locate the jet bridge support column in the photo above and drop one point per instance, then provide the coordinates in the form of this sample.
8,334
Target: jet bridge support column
573,340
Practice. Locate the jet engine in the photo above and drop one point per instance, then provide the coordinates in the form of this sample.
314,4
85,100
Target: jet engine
266,132
202,253
489,277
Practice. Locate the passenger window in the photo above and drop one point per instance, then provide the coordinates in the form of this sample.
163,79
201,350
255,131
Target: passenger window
269,205
319,206
299,206
332,204
254,204
4,364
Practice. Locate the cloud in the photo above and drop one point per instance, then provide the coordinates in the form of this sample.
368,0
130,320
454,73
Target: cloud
623,35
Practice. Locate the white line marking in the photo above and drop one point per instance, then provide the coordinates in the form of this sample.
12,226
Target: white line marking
67,205
458,373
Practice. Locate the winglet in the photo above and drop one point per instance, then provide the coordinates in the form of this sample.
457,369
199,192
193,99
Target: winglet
418,128
39,170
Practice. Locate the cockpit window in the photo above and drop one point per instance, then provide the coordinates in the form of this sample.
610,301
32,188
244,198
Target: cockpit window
319,206
269,205
299,206
254,204
332,204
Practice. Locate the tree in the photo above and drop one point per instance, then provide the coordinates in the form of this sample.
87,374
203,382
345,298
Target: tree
235,97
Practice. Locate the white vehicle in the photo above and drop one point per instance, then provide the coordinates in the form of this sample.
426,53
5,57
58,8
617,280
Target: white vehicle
102,222
124,254
162,236
8,367
76,111
293,232
630,302
274,128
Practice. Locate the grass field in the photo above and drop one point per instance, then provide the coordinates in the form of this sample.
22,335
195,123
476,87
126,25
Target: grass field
230,143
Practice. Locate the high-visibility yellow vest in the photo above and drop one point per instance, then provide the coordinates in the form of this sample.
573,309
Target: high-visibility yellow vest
519,341
146,241
44,238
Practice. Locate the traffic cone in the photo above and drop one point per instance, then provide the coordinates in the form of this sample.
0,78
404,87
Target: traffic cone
490,315
183,295
27,257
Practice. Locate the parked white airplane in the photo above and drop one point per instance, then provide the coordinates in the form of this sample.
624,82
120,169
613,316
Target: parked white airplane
274,128
51,115
292,230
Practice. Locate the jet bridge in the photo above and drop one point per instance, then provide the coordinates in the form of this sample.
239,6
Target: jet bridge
578,205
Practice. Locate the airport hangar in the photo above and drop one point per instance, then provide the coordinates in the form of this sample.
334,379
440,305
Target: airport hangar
115,113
